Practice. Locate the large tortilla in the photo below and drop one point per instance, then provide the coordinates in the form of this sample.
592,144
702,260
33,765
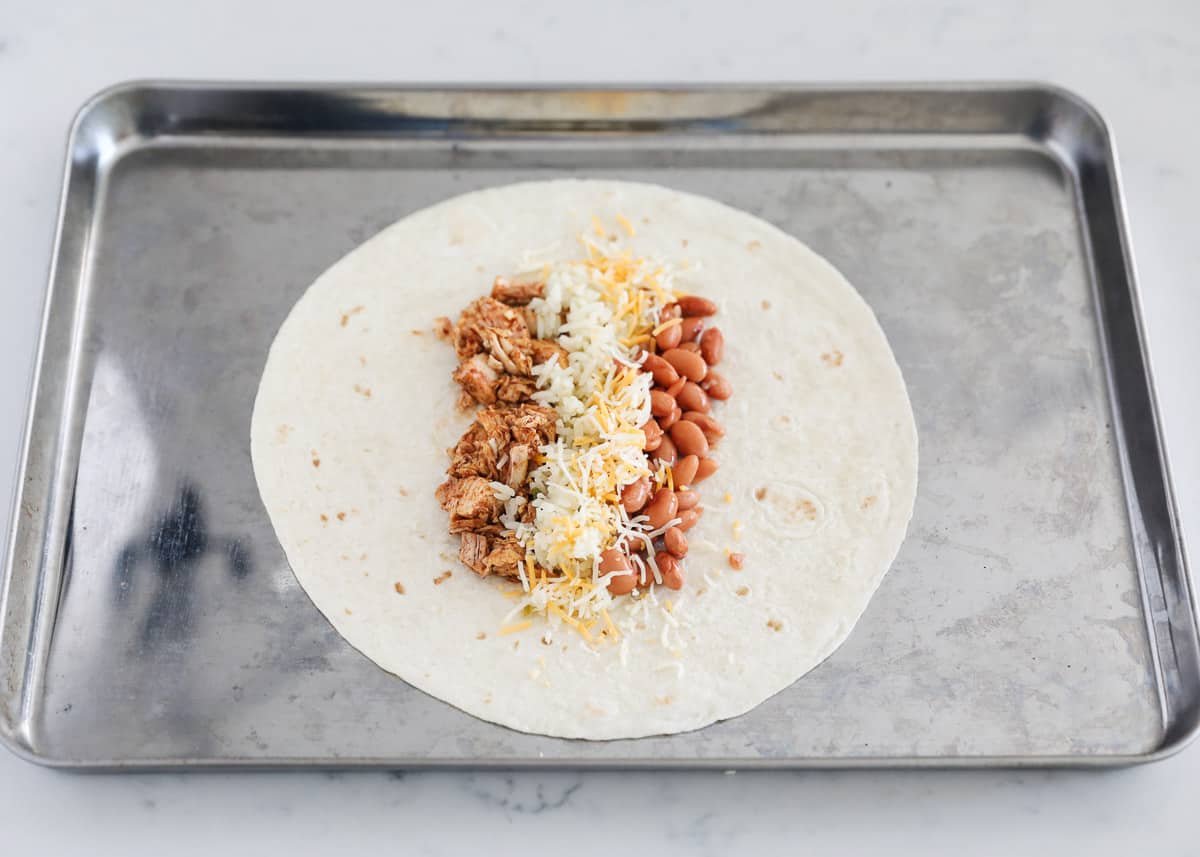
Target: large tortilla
819,464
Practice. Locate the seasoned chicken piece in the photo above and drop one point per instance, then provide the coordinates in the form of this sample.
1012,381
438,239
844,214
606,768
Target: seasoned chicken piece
533,425
474,455
513,353
443,327
499,445
471,503
472,550
515,293
514,389
504,557
482,315
478,379
516,468
544,350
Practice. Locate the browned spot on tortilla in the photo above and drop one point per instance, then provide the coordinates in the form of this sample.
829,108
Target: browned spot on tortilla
766,304
774,624
516,645
399,587
349,612
645,220
282,432
701,590
324,518
684,242
442,578
403,491
481,636
362,557
316,462
743,591
784,418
808,508
760,493
753,245
868,502
737,561
417,332
362,361
365,392
832,358
663,700
346,315
776,375
341,516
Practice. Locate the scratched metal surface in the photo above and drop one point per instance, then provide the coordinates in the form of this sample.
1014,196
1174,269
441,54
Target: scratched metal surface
1038,612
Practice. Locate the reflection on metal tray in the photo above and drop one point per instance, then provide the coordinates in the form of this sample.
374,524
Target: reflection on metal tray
1039,612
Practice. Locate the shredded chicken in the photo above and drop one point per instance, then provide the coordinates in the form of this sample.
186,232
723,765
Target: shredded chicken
478,379
498,447
516,293
504,557
481,316
471,502
472,550
497,351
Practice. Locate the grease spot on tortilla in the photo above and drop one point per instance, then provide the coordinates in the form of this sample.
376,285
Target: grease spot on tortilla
793,509
833,357
349,313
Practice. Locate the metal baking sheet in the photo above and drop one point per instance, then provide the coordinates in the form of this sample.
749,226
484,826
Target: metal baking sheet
1038,614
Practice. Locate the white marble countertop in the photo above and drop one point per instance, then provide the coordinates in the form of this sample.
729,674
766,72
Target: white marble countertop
1139,63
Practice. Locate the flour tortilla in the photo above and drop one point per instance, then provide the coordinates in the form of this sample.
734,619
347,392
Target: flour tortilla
820,419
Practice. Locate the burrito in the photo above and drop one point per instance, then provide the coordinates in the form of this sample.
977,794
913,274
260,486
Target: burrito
588,459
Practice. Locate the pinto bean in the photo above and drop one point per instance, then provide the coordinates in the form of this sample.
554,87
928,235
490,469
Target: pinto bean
686,363
684,470
635,494
712,346
692,398
676,542
688,439
662,508
696,305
